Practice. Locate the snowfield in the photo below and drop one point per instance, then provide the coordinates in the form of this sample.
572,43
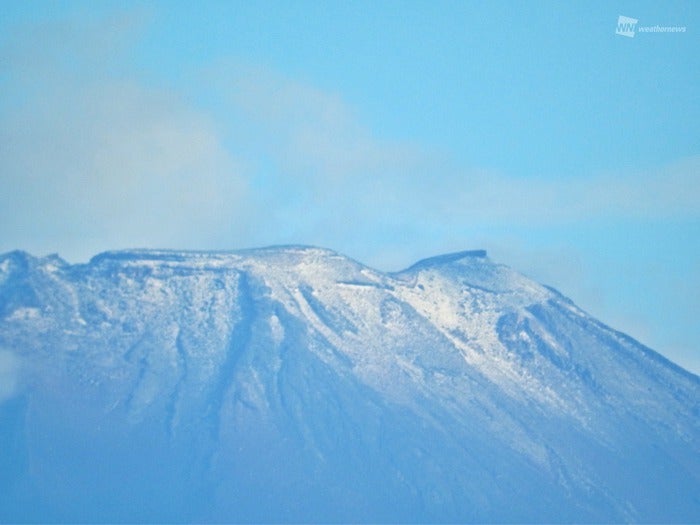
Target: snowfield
293,384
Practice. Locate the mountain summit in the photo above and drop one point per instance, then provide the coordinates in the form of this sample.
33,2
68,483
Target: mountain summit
295,384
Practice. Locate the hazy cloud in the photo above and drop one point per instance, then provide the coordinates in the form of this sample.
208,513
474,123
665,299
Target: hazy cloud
670,191
92,158
336,183
95,157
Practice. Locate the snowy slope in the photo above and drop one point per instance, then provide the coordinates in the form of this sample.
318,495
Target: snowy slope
295,384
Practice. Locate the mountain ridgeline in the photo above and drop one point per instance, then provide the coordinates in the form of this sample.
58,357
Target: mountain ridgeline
293,384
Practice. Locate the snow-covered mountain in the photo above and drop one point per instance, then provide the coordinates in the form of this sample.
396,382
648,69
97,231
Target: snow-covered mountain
295,384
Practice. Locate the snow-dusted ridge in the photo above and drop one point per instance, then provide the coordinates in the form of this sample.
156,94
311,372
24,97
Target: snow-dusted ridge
447,259
293,383
183,255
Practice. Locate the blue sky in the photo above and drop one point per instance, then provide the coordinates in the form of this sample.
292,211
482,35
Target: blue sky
389,131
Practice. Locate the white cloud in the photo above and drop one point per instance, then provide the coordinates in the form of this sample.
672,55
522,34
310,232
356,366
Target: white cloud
101,160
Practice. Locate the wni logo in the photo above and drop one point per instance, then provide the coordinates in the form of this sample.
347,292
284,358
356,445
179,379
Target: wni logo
626,26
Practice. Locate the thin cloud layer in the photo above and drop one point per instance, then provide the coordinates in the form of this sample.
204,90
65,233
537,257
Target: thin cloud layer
334,181
94,160
95,157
